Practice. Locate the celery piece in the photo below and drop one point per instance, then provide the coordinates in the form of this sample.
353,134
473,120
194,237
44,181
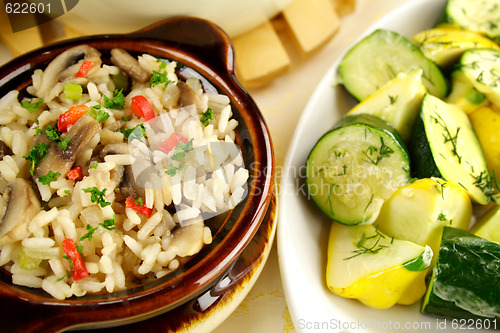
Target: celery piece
27,262
73,91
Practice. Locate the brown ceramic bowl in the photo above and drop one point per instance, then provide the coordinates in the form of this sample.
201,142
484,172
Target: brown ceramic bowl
203,47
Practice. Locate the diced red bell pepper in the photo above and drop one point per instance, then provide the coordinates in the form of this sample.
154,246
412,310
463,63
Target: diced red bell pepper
84,68
71,116
75,173
172,142
141,107
79,268
142,209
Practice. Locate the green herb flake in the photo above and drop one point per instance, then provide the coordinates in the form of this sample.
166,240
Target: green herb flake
49,177
97,196
137,132
31,105
181,149
117,102
207,117
364,248
109,224
98,114
383,152
93,165
89,234
37,154
159,77
63,144
172,170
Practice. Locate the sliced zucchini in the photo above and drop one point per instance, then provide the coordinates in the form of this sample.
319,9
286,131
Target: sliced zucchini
482,16
397,102
482,68
464,95
444,44
444,145
418,211
353,168
376,269
464,282
379,58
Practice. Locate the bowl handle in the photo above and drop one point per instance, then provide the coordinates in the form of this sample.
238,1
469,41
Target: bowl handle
202,41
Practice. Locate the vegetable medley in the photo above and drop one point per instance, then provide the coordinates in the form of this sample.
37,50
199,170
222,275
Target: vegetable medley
407,173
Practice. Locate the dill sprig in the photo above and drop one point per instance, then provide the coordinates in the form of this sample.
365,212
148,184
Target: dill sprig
374,248
448,136
383,151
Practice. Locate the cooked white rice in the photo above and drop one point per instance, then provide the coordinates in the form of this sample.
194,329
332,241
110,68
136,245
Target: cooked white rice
136,248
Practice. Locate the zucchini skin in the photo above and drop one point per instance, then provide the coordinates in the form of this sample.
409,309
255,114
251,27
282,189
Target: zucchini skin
423,165
464,282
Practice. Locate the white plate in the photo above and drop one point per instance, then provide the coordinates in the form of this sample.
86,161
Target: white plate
303,229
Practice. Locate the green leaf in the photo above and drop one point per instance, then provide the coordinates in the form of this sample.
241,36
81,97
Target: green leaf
31,105
37,154
49,177
117,102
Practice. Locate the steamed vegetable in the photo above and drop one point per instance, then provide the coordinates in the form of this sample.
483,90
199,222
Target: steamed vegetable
419,211
481,16
374,268
464,282
355,167
445,44
445,145
380,57
397,102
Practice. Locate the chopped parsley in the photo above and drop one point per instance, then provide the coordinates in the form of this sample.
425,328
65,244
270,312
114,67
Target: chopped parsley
109,224
63,144
207,117
126,119
89,234
161,76
98,114
37,154
31,105
53,134
93,165
139,201
49,177
67,192
172,170
117,102
134,133
97,196
181,149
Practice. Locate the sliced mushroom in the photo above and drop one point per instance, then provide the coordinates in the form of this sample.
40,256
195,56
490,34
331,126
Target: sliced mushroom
188,96
114,148
129,65
59,160
128,185
4,150
66,65
188,240
22,207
